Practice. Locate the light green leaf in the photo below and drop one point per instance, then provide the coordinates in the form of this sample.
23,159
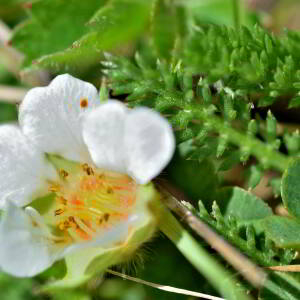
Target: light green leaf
290,188
284,232
217,11
110,27
54,26
234,201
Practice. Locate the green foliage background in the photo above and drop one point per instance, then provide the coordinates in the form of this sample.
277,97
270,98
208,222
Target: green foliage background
229,83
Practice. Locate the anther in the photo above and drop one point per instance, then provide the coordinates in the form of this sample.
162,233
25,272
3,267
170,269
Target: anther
73,222
88,169
63,200
58,212
63,173
110,190
54,188
106,217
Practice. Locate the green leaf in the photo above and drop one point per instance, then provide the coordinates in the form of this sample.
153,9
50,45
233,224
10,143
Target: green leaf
230,161
54,26
164,28
217,11
284,232
12,288
266,101
255,175
290,188
111,28
234,201
294,102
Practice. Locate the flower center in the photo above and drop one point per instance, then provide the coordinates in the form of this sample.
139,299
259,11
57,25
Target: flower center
89,202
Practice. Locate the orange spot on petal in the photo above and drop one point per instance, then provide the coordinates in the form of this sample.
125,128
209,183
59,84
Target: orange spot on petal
84,102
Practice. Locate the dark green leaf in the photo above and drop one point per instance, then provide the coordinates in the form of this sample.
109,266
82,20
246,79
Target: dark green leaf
200,178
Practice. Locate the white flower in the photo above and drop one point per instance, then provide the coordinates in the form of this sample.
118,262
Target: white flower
95,159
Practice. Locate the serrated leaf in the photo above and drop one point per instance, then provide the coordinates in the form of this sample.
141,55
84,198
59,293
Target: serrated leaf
111,27
290,188
242,204
284,232
54,26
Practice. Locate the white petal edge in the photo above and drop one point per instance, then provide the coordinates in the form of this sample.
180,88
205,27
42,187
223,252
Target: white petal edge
25,249
51,116
24,170
149,144
103,132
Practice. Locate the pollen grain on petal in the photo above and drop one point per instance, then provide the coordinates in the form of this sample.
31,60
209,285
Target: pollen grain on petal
84,102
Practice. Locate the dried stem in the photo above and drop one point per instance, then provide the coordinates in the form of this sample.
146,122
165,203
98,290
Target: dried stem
9,57
12,94
250,271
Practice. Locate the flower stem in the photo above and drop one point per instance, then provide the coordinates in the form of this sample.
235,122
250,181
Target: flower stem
220,278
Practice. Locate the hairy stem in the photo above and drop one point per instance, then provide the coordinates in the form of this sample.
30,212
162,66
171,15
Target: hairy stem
255,275
263,152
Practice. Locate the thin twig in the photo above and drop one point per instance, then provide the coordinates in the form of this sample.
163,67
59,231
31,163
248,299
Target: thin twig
9,57
12,94
165,287
240,262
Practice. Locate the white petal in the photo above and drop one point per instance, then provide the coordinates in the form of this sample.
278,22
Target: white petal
148,142
25,250
103,132
51,116
23,169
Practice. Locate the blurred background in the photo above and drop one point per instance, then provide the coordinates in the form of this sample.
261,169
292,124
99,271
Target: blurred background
159,261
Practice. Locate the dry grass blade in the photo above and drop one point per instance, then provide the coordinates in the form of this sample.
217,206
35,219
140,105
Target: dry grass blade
166,287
